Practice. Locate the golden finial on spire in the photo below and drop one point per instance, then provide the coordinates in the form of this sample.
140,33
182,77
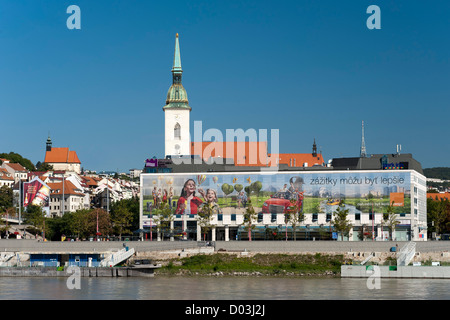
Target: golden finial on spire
177,35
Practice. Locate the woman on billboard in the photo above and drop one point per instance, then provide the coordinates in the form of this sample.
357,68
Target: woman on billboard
188,203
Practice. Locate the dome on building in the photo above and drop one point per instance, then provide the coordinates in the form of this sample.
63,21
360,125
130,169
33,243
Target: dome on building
177,97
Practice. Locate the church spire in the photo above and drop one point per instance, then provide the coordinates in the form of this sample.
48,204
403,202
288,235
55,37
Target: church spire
177,96
314,150
48,145
176,69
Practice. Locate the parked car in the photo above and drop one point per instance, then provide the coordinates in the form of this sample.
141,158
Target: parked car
281,201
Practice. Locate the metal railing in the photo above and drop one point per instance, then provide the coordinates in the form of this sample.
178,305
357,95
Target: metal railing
117,257
406,254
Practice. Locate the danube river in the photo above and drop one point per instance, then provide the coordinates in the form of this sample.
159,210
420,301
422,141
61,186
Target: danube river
221,288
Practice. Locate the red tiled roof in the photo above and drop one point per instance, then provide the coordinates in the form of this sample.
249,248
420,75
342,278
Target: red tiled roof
5,175
61,155
300,159
439,196
246,153
69,188
251,154
16,166
90,181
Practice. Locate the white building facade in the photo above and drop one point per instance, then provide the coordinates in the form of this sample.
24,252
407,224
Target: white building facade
365,194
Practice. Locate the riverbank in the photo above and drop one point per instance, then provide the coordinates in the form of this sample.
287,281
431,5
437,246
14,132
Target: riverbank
240,258
228,264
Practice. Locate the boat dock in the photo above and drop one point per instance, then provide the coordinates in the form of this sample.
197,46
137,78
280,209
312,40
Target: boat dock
411,272
134,271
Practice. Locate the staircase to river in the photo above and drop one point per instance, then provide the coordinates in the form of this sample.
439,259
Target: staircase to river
406,254
117,257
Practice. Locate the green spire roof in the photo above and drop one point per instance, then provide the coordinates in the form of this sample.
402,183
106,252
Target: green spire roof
176,57
177,95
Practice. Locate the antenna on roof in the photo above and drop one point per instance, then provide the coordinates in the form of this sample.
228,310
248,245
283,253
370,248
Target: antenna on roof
363,144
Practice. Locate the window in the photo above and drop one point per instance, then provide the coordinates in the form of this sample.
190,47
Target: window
177,131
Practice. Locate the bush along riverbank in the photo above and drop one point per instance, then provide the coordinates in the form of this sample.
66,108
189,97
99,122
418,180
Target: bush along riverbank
258,265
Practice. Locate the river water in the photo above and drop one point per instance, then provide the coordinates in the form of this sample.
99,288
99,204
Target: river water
221,288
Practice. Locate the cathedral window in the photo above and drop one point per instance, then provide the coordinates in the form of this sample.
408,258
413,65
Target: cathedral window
177,131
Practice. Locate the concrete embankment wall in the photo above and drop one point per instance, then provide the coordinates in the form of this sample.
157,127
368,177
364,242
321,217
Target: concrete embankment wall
428,272
160,250
13,245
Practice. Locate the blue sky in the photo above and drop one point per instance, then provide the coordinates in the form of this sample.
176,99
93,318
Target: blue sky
311,69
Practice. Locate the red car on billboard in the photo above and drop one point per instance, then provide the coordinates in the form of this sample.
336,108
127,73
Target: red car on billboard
281,201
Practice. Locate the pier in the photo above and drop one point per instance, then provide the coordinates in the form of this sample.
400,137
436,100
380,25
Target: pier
409,272
135,271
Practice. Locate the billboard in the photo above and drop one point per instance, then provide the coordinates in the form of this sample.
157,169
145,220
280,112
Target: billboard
36,193
314,191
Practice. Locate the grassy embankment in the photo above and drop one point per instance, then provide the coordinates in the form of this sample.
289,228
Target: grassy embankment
259,264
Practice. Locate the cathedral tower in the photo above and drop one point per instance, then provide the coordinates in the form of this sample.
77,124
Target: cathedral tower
177,112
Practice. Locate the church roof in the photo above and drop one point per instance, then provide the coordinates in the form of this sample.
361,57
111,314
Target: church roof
243,153
61,155
301,159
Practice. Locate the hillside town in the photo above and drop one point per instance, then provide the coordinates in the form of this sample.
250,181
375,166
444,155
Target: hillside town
71,188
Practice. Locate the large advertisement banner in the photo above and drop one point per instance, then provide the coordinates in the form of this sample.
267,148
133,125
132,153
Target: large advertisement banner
313,192
36,193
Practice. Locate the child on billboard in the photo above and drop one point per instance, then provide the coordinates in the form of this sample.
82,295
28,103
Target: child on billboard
211,197
188,203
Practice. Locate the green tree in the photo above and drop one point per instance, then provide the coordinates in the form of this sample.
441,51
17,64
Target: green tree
437,173
133,206
163,216
7,212
249,216
35,217
204,216
6,200
99,219
43,166
227,189
17,158
340,222
390,219
438,215
121,218
256,187
78,223
295,216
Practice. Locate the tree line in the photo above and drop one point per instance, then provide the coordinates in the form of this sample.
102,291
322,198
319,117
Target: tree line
122,220
442,173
